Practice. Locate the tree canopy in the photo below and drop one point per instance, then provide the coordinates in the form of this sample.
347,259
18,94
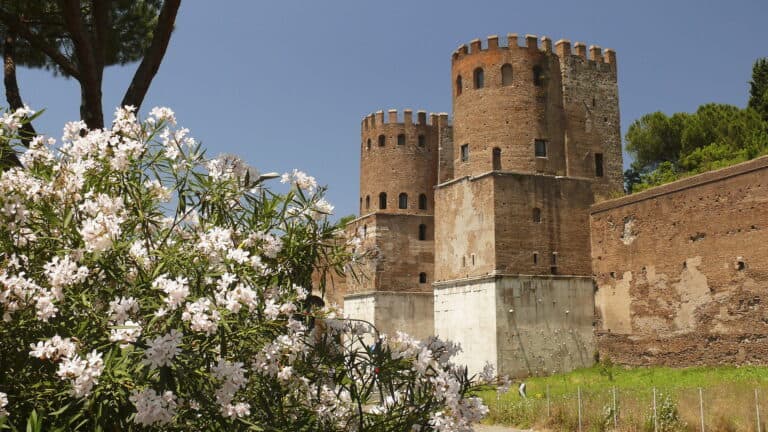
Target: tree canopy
666,148
78,39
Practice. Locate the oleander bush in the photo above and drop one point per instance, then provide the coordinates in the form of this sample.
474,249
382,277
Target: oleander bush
146,287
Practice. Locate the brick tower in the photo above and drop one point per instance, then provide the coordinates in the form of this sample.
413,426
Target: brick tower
398,171
535,139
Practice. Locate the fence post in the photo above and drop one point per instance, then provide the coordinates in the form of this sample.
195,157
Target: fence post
701,409
549,413
579,397
615,418
655,418
757,411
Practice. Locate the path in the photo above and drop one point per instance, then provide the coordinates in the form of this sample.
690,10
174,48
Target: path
497,428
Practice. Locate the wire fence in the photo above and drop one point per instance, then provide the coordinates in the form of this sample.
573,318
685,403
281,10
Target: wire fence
655,409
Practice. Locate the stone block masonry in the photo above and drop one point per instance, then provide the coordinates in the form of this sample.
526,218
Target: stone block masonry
682,270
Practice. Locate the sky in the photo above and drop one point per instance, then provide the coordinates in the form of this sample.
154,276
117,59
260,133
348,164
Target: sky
284,84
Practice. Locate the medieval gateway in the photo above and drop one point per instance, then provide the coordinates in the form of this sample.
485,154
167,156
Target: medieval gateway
506,229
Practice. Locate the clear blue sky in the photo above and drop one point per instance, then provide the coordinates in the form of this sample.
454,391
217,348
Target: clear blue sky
284,84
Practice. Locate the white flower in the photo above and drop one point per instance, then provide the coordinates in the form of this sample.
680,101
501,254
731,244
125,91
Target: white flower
126,333
300,179
83,374
99,232
201,316
161,114
238,255
176,290
152,408
3,404
237,410
53,349
64,272
163,349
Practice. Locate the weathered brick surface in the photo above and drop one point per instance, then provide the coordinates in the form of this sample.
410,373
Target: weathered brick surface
682,270
574,108
397,255
398,168
485,225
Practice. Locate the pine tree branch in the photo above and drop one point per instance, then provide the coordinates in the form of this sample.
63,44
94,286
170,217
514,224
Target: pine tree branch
13,22
153,56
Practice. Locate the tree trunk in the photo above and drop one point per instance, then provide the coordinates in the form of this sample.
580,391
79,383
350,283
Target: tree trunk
153,55
13,96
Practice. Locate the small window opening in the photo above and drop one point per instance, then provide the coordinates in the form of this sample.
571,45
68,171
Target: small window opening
538,79
422,277
463,261
401,139
369,143
422,232
740,264
365,230
422,141
458,85
535,258
554,259
423,202
367,202
506,75
383,200
479,78
553,270
465,152
473,260
537,215
540,148
402,201
594,102
496,159
382,140
598,164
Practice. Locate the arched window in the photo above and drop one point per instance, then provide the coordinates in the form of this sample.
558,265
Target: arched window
536,215
369,143
402,201
538,79
506,75
367,202
422,141
423,202
496,159
422,277
458,85
382,140
383,200
401,139
422,232
479,78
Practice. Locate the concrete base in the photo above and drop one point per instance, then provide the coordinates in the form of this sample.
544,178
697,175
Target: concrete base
390,312
523,325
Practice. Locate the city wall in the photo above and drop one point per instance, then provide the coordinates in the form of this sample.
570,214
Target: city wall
682,270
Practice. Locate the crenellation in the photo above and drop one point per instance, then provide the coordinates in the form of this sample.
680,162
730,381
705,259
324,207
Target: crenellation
422,115
581,49
546,44
475,46
392,116
563,48
379,118
493,42
407,116
595,54
532,42
512,40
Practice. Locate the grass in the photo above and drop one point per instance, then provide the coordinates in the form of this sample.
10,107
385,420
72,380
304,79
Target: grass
728,394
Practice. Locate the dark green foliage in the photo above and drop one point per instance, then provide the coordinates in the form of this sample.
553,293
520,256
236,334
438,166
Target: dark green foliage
758,88
666,148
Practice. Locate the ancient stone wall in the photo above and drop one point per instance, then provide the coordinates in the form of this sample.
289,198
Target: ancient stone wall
682,270
392,312
395,256
506,222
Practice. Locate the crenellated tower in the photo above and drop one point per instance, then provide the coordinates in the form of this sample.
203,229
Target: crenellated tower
398,162
480,228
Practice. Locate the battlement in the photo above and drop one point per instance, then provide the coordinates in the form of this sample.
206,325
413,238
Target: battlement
393,117
536,44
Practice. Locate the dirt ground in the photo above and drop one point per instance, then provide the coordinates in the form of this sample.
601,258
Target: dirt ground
496,428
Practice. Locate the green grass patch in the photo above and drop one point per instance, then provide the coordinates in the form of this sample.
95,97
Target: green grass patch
728,396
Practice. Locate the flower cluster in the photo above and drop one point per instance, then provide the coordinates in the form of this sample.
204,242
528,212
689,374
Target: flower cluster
146,279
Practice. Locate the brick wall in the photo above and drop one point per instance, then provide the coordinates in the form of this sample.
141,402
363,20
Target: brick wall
682,270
